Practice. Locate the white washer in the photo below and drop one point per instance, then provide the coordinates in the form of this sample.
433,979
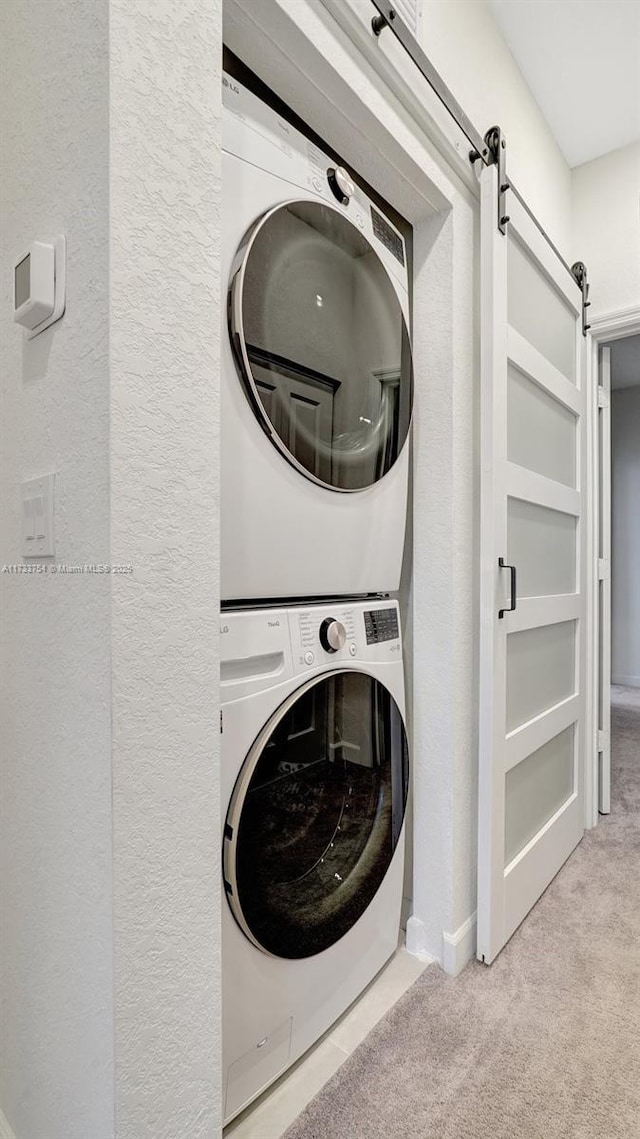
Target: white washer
315,772
317,380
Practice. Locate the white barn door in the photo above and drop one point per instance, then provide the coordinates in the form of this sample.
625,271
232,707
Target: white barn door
533,569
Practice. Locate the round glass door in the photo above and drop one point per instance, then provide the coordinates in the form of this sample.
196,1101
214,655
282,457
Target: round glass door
316,815
322,345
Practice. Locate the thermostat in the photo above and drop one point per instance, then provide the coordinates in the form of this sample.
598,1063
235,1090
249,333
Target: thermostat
39,285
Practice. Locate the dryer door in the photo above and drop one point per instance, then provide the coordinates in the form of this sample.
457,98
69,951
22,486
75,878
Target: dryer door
316,814
322,345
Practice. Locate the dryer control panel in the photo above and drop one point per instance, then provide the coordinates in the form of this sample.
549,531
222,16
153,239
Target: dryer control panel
255,133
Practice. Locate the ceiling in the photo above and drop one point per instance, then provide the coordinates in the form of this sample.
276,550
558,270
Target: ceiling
625,362
581,60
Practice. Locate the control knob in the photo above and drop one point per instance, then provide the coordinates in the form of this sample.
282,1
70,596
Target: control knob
341,185
333,635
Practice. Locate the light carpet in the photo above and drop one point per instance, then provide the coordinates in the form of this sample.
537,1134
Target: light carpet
545,1043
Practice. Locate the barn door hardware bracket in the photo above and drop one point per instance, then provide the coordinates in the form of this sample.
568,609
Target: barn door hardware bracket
496,144
380,22
579,270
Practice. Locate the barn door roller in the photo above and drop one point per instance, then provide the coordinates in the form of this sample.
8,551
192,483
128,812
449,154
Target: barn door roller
579,270
497,145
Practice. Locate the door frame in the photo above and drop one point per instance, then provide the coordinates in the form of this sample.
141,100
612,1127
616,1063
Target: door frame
616,325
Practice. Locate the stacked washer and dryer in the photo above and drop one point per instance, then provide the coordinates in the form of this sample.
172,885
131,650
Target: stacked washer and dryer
316,411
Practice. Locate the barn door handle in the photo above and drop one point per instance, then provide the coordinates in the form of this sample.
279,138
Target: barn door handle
514,587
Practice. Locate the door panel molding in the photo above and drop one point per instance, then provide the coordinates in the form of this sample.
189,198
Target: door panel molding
527,878
537,732
532,487
535,611
527,359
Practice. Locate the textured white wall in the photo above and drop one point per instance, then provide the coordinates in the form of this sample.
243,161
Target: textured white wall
110,130
443,675
165,329
606,228
625,536
465,44
56,983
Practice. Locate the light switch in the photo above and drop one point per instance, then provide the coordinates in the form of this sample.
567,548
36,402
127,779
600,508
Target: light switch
38,538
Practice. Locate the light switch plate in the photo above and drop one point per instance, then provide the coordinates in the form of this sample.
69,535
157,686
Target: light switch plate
38,538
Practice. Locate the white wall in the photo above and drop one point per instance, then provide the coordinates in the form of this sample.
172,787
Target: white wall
56,977
465,44
164,355
165,93
109,848
606,228
625,536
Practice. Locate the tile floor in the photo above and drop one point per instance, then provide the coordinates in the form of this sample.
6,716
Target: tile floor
270,1115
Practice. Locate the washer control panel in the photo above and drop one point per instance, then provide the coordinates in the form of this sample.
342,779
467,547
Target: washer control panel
262,647
366,631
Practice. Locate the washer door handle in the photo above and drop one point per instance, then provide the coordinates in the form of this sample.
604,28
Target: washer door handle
513,587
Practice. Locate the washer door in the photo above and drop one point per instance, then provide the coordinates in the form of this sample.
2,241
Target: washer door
316,814
322,345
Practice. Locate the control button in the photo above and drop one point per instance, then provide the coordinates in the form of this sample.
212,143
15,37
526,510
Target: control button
317,184
360,220
341,185
309,658
332,635
353,650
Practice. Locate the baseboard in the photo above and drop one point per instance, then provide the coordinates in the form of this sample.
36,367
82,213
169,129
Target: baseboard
5,1130
417,940
626,681
458,948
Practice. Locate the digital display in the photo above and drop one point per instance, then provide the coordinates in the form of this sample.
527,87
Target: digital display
381,625
22,274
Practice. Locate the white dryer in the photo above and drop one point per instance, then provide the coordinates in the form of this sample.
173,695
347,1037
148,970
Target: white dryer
317,381
315,771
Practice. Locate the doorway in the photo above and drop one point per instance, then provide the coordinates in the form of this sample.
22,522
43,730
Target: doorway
625,524
617,539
